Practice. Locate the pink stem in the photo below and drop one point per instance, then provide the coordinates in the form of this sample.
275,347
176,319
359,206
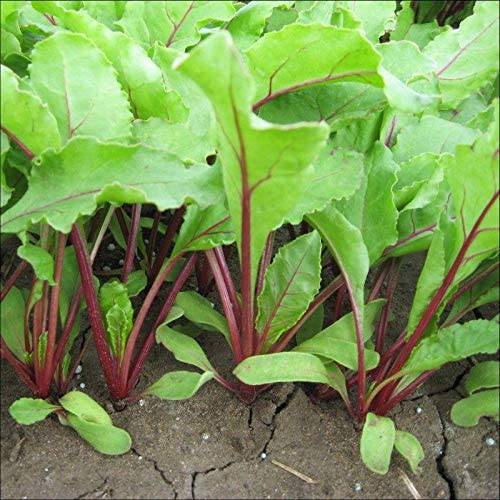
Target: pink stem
132,242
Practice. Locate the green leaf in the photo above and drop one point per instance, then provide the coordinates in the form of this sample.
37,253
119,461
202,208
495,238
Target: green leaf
65,72
12,324
377,441
312,326
203,229
179,385
105,438
337,174
201,311
173,24
346,244
40,260
136,282
468,411
249,22
484,375
118,313
268,161
42,348
341,351
411,449
372,209
290,284
467,57
454,343
139,76
25,116
314,11
104,11
85,172
376,17
183,347
84,407
431,135
300,55
27,411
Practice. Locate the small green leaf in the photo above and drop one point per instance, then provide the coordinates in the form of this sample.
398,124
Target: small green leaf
484,375
179,385
290,284
201,311
27,411
41,261
183,347
42,348
377,442
105,438
85,408
468,411
411,449
12,324
136,283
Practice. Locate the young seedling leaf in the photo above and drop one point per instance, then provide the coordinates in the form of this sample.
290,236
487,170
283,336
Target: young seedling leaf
105,438
484,375
290,284
136,282
183,347
27,411
201,311
377,442
84,407
85,172
468,411
62,66
179,385
26,117
11,314
411,449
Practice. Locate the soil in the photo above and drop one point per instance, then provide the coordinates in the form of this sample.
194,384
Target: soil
213,446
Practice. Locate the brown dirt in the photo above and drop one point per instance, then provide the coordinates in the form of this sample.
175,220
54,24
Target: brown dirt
213,446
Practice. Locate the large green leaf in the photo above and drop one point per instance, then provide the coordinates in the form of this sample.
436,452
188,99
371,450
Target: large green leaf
203,229
337,174
138,75
67,69
25,116
467,57
431,135
453,344
290,284
85,172
179,385
372,209
173,24
484,375
409,446
183,347
12,324
27,411
468,411
288,367
105,438
377,442
260,161
200,310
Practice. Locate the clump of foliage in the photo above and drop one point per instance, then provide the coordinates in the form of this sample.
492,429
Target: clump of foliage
367,130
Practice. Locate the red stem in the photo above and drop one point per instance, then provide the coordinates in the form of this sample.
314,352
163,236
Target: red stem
226,304
265,261
93,309
228,280
122,222
339,300
166,242
167,306
27,152
12,279
153,235
131,242
17,366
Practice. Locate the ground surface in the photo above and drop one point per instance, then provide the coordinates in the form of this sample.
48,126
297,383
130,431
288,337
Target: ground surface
213,446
